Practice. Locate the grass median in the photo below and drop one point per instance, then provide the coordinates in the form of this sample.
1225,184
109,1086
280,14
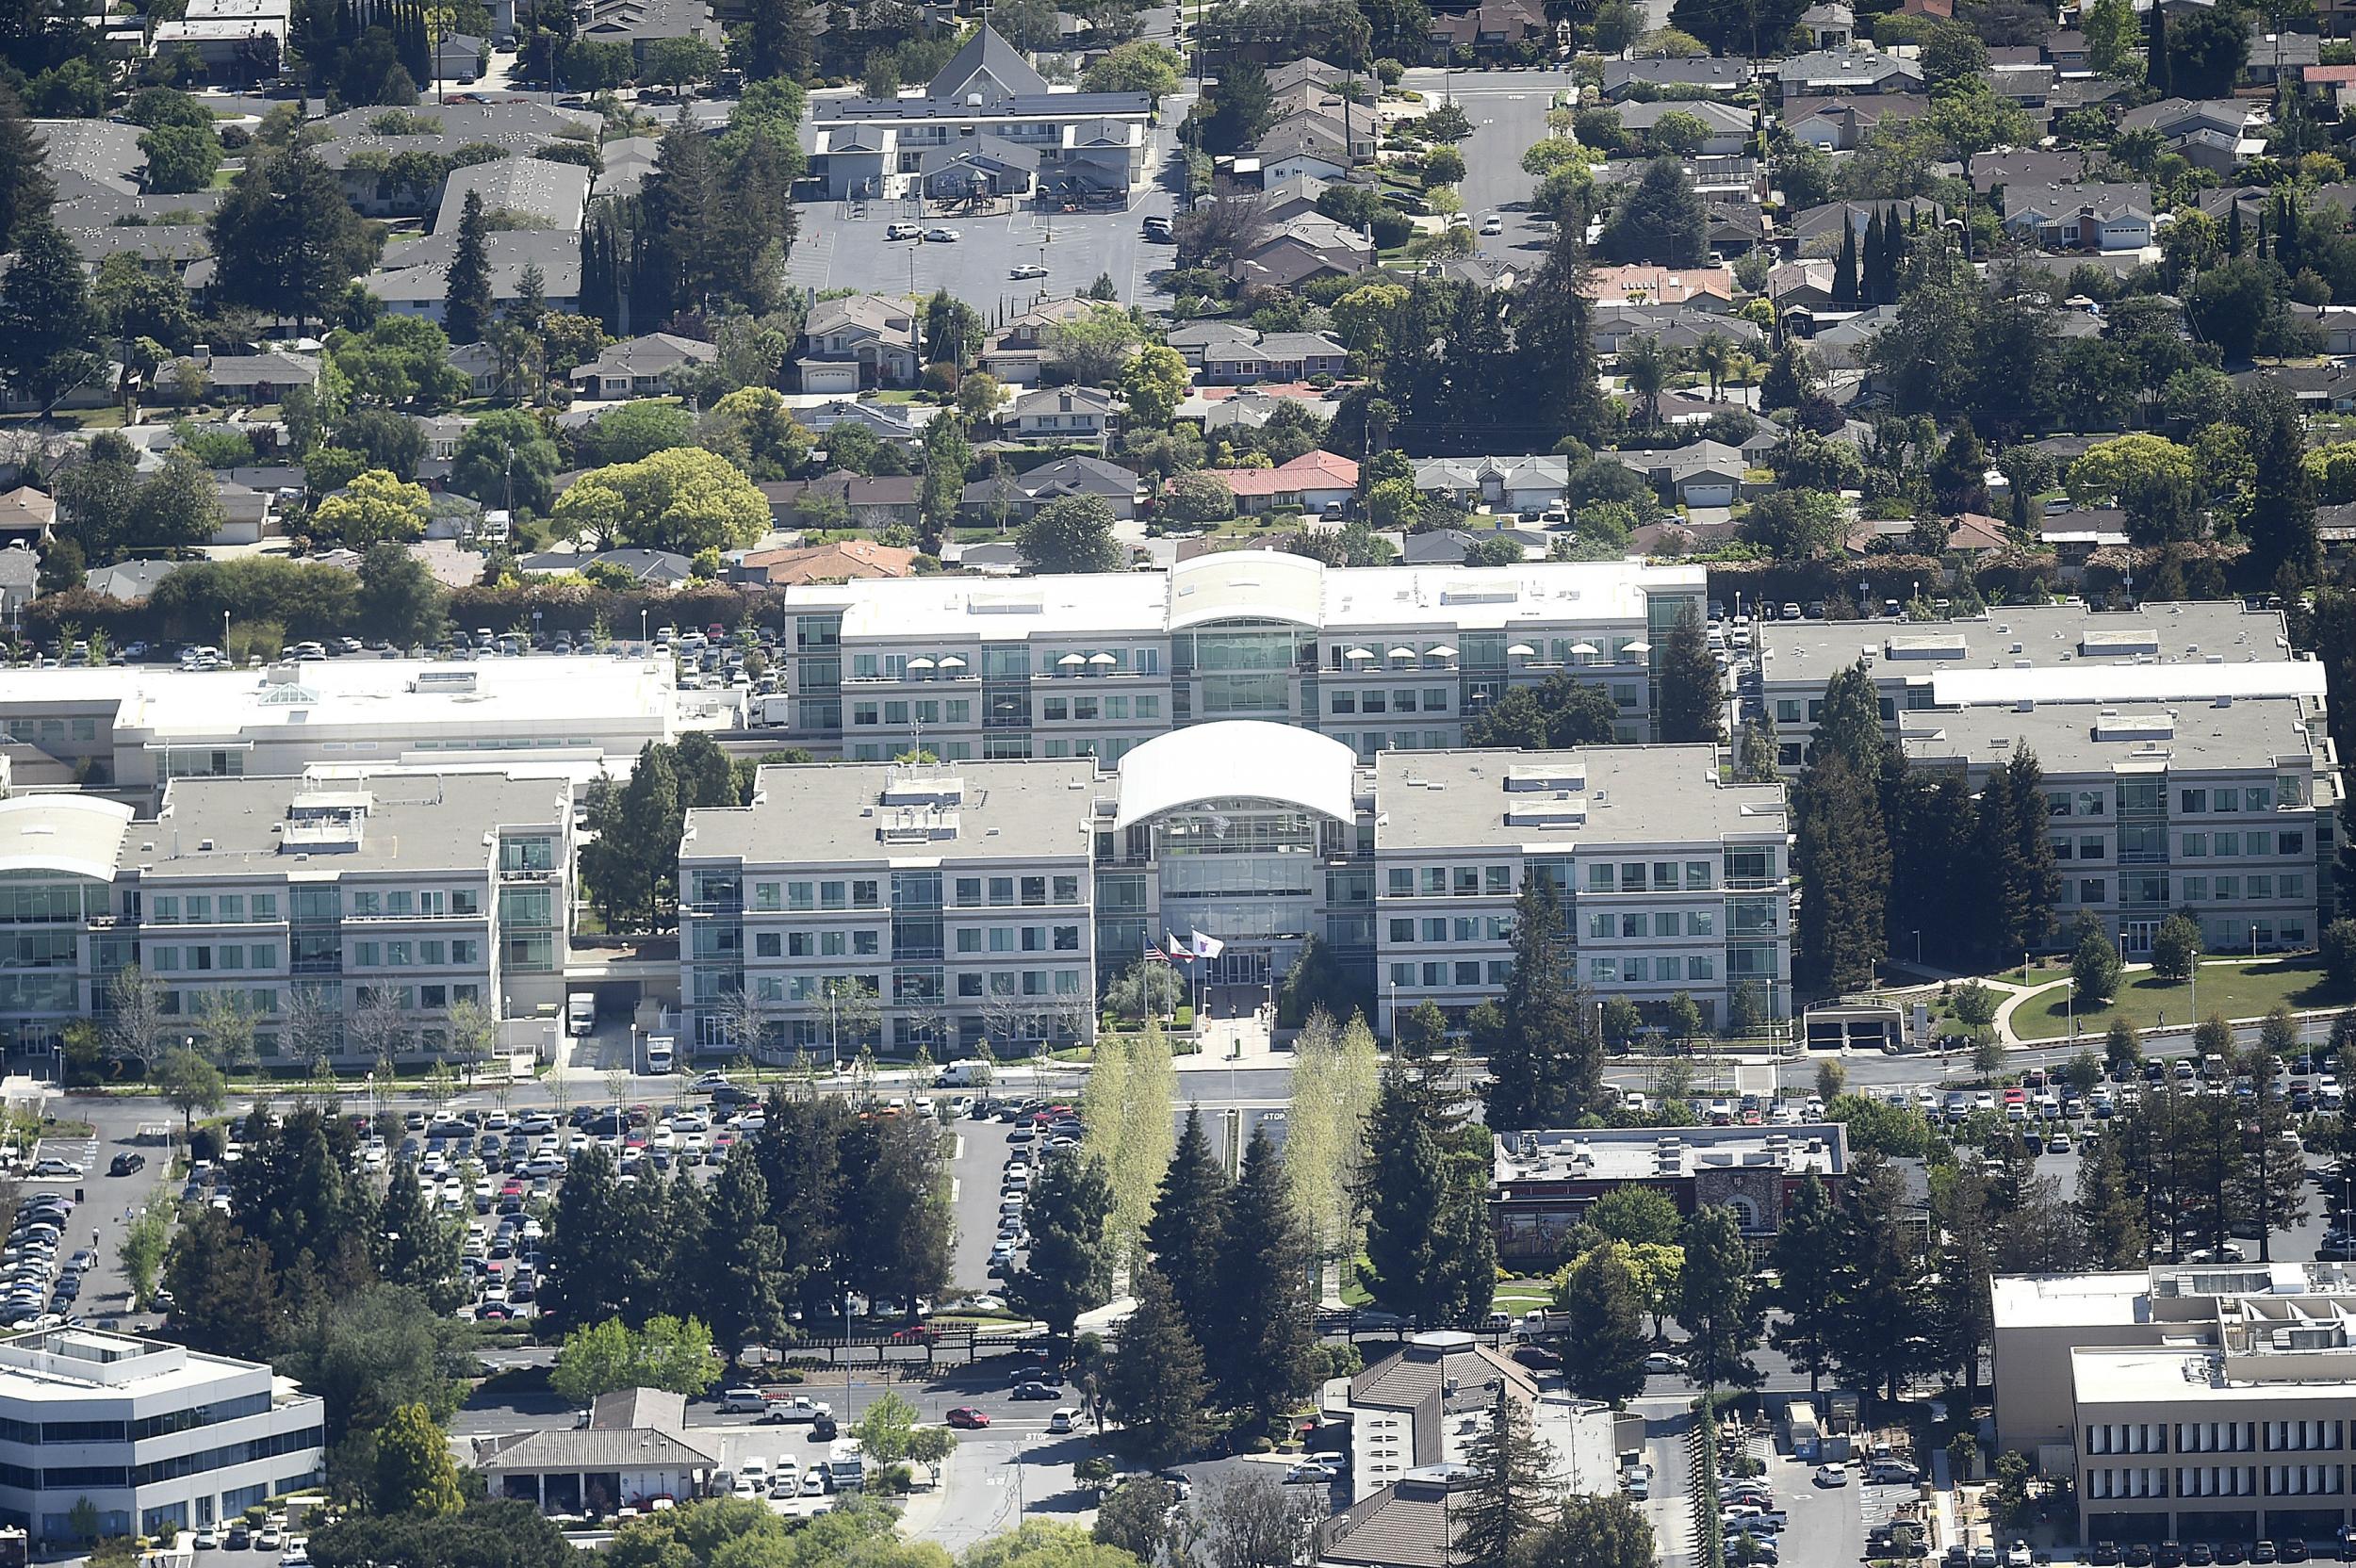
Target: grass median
2239,989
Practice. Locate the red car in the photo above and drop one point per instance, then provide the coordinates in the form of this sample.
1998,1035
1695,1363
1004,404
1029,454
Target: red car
918,1335
967,1416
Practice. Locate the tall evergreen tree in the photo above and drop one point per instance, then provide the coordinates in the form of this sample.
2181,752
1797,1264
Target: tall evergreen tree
1869,265
1851,722
1964,1310
1069,1270
416,1248
682,202
1262,1362
1406,1184
1878,1331
740,1261
1692,701
2234,239
286,239
2281,523
2032,862
48,330
585,1243
27,192
1504,1511
1154,1386
1189,1229
1843,856
800,1153
1718,1302
2157,74
1554,340
1546,1067
1845,279
1604,1348
467,309
778,39
1930,821
1806,1251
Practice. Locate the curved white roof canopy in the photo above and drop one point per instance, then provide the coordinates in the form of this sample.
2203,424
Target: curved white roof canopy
1237,760
1261,585
76,835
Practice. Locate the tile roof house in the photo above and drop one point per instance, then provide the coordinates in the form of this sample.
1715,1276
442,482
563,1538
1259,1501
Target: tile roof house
1313,481
640,366
2027,166
857,499
128,580
1704,474
1729,126
1709,289
864,340
1530,483
1837,124
839,561
2081,216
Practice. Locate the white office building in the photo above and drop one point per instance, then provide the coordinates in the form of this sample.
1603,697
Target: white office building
1382,658
147,1433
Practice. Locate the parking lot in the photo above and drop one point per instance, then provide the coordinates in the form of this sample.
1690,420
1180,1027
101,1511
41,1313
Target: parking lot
842,245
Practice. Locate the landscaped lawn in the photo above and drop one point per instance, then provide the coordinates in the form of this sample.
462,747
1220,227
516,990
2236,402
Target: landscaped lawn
2242,989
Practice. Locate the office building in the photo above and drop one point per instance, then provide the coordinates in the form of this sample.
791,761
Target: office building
2069,652
351,915
1541,1183
126,729
149,1435
991,899
2185,1403
2224,809
1381,659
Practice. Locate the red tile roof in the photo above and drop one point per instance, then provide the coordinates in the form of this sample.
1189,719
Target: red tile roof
1318,470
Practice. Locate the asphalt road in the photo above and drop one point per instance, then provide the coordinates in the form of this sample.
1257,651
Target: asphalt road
1508,111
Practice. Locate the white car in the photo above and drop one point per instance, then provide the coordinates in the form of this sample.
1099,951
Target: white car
1311,1471
1832,1475
1493,223
1028,269
941,236
1065,1418
1660,1360
901,231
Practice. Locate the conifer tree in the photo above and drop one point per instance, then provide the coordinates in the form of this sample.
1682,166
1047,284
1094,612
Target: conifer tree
1603,1350
1844,282
1807,1247
739,1262
1406,1185
1154,1386
1262,1362
1878,1285
1546,1067
466,310
1069,1270
1718,1302
2110,1209
1504,1511
1188,1228
1843,856
27,192
2157,74
1693,702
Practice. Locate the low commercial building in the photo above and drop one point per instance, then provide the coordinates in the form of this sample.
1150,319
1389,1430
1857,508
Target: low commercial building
635,1448
2185,1403
149,1435
1542,1183
127,730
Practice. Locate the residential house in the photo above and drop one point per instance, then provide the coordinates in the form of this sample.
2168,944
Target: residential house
128,580
534,192
415,280
1246,357
480,364
1301,251
643,22
1837,125
248,516
1085,142
1492,31
1707,473
249,379
1017,353
1841,346
1860,70
642,366
1623,78
839,561
858,342
634,1449
2278,56
1730,128
1829,24
1056,415
1675,326
19,580
2219,134
1447,547
1515,484
1314,482
1821,226
2085,216
2036,167
1700,288
26,516
2338,323
1018,495
841,500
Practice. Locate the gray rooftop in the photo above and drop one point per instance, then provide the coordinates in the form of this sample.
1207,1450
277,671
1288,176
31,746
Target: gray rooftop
1649,1154
1809,653
264,826
1559,801
874,812
2092,736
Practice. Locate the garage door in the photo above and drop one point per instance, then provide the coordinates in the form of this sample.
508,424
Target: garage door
1710,494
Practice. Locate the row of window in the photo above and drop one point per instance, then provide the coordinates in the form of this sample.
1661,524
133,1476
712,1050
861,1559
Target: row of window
2218,1481
867,892
34,1434
432,952
428,901
206,909
996,661
2227,890
225,955
2213,1437
1436,699
2224,846
1440,928
1462,972
1657,923
1454,881
2096,803
810,989
1666,969
1055,710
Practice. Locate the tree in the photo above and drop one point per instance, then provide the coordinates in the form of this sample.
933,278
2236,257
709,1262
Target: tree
1557,714
2205,55
375,508
884,1430
372,1352
1545,1065
506,1533
2281,516
415,1473
1137,66
190,1082
1188,1228
1073,534
1661,220
1336,1076
1250,1521
668,1353
141,1252
1595,1532
1154,1386
1717,1300
1262,1361
47,326
736,1268
1603,1355
1503,1509
1693,704
780,40
1136,1516
27,192
1875,1333
225,1290
1806,1250
1069,1270
180,157
681,499
1406,1186
1153,383
1241,106
2110,1211
413,1247
2337,947
286,239
1640,1215
1091,349
2095,966
468,305
1842,856
1197,497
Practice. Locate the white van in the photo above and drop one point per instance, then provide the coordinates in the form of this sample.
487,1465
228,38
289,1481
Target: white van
742,1401
659,1053
963,1075
581,1013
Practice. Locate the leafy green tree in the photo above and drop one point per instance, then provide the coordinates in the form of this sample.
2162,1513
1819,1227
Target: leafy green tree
506,460
399,597
1155,1386
884,1428
415,1473
1137,66
181,158
506,1532
1557,714
684,500
1153,383
1661,220
668,1353
1603,1354
1718,1302
635,431
48,328
1135,1517
140,1254
225,1297
373,1351
1595,1532
1068,1268
1073,534
375,508
285,240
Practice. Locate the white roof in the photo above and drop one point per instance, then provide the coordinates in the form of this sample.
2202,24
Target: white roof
1264,583
80,835
2186,682
1237,760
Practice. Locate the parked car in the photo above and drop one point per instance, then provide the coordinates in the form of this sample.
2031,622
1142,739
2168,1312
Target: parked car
941,236
1312,1472
126,1164
966,1418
